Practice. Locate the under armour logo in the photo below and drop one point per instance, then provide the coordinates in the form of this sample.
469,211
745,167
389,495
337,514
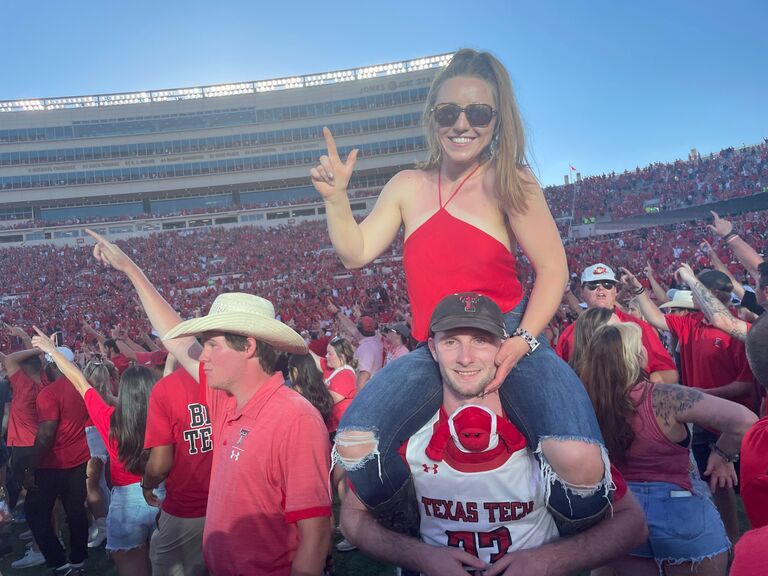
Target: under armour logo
470,303
718,343
235,454
426,468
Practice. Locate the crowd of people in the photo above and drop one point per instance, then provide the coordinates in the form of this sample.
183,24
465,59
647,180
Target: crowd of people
727,174
472,407
278,267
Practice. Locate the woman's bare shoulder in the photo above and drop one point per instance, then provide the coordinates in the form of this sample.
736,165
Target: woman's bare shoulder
404,184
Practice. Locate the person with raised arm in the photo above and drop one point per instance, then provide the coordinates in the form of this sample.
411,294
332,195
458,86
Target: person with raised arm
645,426
130,521
261,429
713,361
747,255
464,211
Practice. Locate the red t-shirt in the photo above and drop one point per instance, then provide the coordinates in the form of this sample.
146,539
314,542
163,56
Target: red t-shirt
343,381
121,362
749,555
710,357
754,473
270,470
320,345
100,413
22,421
156,358
177,418
60,401
658,357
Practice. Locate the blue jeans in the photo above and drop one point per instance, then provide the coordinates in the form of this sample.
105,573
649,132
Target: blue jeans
542,396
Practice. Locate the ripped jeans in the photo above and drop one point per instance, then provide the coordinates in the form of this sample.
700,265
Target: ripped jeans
542,396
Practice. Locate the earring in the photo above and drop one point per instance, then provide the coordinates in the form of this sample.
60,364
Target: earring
493,148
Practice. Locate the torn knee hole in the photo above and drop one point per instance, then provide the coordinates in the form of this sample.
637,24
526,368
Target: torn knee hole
354,445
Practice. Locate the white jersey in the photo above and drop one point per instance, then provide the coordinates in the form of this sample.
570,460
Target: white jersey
488,509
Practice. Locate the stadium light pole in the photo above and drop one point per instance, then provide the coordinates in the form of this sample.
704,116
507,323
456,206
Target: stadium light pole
575,184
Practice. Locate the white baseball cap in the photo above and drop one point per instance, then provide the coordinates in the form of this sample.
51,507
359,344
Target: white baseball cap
597,272
66,352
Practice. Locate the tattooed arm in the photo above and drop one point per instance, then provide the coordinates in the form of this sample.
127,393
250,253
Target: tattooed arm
675,405
715,311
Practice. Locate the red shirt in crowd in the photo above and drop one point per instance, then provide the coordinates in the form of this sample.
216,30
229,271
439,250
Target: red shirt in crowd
121,362
156,358
749,554
754,473
101,412
710,357
60,401
177,418
270,470
343,381
22,421
658,357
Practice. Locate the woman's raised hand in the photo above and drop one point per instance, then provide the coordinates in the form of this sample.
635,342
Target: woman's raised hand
42,341
331,176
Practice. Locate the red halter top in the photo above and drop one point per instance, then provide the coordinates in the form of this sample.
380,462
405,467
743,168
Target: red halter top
446,255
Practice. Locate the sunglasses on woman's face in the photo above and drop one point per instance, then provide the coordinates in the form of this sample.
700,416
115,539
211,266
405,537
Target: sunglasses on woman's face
607,284
478,115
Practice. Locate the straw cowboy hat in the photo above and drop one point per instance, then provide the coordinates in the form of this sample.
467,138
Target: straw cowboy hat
247,315
680,299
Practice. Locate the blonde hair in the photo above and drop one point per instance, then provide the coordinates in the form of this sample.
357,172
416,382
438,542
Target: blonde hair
632,346
507,149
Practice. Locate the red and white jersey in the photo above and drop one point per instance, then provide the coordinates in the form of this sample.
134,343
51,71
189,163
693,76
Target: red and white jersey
486,508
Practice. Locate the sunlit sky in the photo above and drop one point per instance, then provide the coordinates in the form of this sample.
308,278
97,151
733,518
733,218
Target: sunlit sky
603,85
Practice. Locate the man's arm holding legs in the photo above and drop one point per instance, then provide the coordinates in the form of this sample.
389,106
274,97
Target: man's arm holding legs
597,546
361,528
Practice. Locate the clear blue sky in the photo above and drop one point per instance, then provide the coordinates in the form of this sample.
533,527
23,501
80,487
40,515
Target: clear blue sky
603,85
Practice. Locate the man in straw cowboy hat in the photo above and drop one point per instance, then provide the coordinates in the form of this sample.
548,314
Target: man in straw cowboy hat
269,497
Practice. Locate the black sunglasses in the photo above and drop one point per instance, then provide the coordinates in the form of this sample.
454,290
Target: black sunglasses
607,284
478,115
336,340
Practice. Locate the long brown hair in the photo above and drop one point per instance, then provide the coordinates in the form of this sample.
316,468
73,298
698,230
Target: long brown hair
129,420
344,351
586,325
99,375
507,150
308,381
612,366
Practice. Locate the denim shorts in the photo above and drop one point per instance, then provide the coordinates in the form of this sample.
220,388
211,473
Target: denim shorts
682,526
131,520
96,444
542,396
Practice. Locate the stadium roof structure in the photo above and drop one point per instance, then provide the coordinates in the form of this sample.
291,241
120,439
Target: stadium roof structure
213,91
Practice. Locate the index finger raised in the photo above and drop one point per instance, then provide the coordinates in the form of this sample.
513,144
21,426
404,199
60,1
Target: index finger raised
330,143
95,235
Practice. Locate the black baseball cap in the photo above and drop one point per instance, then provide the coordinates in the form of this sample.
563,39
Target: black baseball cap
715,280
468,310
401,328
